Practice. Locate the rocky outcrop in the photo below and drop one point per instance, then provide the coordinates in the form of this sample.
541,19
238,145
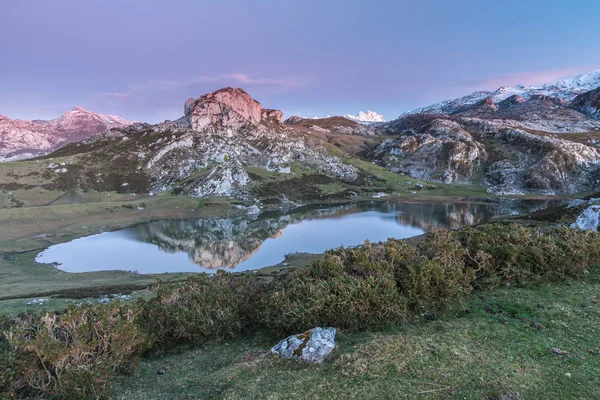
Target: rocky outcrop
443,151
516,140
272,115
588,103
511,161
21,139
312,346
221,180
229,109
589,219
205,153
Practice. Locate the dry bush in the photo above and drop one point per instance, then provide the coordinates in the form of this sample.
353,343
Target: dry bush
201,308
73,355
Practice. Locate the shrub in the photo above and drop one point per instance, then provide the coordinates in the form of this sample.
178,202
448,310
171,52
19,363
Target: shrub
371,286
437,280
73,355
11,362
201,308
367,287
505,254
327,295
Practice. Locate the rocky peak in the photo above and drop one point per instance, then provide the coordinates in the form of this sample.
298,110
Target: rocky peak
21,139
366,117
227,108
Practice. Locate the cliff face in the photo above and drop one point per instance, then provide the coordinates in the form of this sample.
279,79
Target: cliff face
229,109
588,103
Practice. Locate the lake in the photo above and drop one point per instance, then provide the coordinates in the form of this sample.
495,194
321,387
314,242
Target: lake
252,242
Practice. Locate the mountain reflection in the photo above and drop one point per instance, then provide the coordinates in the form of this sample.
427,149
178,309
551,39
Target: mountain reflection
226,242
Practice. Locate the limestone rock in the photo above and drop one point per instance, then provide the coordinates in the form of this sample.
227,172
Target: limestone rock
274,115
311,346
225,108
222,180
589,219
443,151
509,160
588,103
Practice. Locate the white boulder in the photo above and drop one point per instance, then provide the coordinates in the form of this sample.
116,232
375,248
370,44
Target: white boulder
312,346
589,219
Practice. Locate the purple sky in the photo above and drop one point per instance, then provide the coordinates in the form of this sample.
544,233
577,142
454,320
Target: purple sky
142,59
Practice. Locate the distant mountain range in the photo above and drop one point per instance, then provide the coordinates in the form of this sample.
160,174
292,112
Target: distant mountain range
564,89
21,139
368,117
514,140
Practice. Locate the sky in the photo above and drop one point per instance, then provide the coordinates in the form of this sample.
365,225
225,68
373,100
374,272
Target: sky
141,59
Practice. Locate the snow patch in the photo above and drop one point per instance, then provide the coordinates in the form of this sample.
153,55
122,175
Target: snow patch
369,117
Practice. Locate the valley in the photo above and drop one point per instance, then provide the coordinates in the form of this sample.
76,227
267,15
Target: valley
112,216
228,157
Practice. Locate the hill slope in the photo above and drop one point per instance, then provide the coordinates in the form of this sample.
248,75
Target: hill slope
514,140
21,139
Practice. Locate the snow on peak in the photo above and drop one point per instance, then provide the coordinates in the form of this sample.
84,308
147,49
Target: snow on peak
20,139
582,82
369,116
79,112
565,89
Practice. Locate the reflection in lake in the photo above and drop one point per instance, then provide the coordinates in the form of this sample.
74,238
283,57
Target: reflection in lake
252,242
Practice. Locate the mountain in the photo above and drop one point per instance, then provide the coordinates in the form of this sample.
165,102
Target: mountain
225,144
340,125
368,117
588,103
565,89
514,140
21,139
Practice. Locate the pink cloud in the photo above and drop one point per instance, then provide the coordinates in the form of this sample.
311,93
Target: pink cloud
532,78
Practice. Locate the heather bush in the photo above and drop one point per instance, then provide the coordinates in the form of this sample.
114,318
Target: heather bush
375,285
326,295
73,355
437,279
370,286
201,308
11,362
517,254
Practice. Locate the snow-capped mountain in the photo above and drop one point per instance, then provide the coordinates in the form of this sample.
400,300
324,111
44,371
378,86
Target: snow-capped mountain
515,139
368,117
21,139
564,89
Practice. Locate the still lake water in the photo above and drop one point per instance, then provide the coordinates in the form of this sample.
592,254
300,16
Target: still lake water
252,242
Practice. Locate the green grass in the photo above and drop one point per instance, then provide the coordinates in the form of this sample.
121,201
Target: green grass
404,185
503,343
24,232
